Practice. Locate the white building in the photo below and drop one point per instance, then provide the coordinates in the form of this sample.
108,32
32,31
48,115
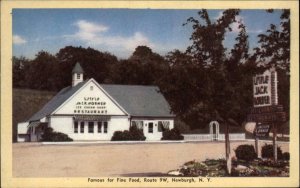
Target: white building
91,111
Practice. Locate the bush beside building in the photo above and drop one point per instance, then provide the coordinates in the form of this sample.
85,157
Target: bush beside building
133,134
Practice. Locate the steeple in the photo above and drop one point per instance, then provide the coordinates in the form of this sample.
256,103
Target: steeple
77,74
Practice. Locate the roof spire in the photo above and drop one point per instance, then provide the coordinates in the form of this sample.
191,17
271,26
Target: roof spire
77,69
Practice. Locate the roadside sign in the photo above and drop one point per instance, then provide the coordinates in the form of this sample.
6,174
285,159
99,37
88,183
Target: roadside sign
262,130
262,89
265,106
267,117
266,109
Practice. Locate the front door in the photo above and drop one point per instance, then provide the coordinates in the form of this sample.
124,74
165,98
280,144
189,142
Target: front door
149,130
150,127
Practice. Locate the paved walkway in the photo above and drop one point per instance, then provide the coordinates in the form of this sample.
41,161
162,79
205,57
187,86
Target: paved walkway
101,159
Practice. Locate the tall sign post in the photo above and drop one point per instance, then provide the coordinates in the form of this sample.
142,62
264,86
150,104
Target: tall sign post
265,110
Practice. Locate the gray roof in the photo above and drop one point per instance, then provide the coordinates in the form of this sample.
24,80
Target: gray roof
146,101
77,69
56,101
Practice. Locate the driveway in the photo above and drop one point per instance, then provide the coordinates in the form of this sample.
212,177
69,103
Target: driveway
96,160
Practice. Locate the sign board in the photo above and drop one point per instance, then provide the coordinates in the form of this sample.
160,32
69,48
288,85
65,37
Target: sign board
266,109
90,105
262,130
267,117
265,89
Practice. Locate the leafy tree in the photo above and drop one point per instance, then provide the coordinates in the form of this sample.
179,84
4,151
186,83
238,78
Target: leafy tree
274,49
275,44
222,70
95,64
143,54
127,72
142,67
184,87
208,36
40,73
209,51
20,66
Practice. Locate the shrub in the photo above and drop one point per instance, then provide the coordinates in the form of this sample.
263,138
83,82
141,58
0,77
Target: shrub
173,134
51,136
181,126
286,156
267,151
133,134
245,152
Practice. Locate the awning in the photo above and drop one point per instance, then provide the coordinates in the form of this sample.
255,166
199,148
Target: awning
91,118
34,124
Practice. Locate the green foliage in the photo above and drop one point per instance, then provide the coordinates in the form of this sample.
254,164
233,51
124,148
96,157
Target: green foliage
217,168
202,83
181,126
26,102
207,168
275,44
267,151
208,36
51,136
245,152
173,134
133,134
274,49
286,156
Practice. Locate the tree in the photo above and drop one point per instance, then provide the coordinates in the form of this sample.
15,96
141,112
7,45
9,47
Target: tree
208,50
142,67
94,63
20,66
207,38
274,50
41,72
275,44
185,88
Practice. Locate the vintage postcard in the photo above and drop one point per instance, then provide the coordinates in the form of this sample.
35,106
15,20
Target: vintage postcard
149,93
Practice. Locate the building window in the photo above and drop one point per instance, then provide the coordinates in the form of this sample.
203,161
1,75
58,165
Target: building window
75,127
91,88
160,126
78,76
82,127
163,126
99,126
137,124
105,127
91,127
150,127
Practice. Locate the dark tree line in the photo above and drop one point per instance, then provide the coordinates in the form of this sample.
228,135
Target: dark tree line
204,82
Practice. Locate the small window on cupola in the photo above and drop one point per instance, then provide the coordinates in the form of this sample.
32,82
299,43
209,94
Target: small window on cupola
78,76
91,88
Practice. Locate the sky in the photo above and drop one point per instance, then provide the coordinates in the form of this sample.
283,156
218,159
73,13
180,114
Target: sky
120,31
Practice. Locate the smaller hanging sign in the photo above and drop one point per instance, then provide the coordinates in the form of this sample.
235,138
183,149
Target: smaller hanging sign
262,130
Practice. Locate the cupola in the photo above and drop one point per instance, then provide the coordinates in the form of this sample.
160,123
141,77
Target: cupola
77,74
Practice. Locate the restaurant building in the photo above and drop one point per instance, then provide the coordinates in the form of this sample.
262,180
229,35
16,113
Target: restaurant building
89,111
